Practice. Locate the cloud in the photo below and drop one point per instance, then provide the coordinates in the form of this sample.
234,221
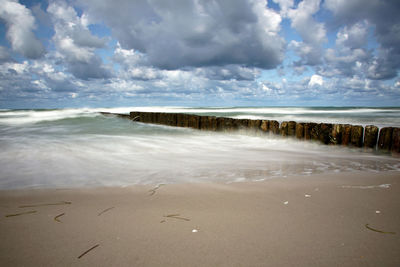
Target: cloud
313,33
383,15
353,36
285,6
316,80
4,55
228,72
195,33
351,56
20,25
76,44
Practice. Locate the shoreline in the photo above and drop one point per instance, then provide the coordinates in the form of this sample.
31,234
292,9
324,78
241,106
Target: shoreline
316,220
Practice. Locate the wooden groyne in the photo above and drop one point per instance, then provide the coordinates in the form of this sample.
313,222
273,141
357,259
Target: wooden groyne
372,138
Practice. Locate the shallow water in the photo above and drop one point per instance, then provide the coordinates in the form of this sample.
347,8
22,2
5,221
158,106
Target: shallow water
79,147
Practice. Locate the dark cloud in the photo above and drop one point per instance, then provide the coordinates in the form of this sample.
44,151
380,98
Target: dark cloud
92,69
383,15
351,56
175,34
228,72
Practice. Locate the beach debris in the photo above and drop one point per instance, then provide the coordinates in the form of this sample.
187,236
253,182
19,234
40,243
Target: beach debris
153,191
87,251
58,216
21,213
100,213
307,195
379,231
46,204
176,216
377,211
286,202
195,231
384,186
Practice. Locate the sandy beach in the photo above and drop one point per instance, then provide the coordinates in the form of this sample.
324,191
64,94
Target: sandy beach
346,219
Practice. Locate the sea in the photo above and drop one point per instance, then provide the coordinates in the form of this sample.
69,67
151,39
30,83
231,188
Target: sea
69,148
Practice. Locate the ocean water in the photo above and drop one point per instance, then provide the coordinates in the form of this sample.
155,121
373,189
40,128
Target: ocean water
80,147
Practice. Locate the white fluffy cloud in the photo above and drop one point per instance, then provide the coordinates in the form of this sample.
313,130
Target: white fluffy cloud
316,80
313,33
75,43
20,26
284,5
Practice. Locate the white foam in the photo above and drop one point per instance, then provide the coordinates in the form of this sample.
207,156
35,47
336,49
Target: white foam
384,186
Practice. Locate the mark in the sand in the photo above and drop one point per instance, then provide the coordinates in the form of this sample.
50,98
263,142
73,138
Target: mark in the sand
87,251
153,191
176,216
379,231
46,204
21,213
105,211
58,216
162,221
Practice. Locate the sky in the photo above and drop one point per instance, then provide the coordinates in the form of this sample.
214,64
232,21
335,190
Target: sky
98,53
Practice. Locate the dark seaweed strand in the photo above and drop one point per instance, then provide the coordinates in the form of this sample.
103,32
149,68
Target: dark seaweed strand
176,216
379,231
46,204
58,216
87,251
181,218
171,215
105,211
22,213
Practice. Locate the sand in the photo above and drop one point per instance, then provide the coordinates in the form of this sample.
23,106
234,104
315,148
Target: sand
317,220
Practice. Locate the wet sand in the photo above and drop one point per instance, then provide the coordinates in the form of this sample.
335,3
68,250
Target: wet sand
346,219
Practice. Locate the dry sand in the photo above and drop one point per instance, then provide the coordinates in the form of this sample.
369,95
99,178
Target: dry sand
317,220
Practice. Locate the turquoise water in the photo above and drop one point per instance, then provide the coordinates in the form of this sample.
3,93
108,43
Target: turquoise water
80,147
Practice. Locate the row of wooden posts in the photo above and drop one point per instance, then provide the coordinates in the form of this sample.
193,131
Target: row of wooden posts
386,139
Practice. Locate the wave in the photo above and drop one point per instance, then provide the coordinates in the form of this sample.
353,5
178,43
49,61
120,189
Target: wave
153,154
352,115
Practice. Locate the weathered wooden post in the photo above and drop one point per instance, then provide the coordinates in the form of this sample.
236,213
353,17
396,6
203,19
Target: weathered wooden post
370,136
385,139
